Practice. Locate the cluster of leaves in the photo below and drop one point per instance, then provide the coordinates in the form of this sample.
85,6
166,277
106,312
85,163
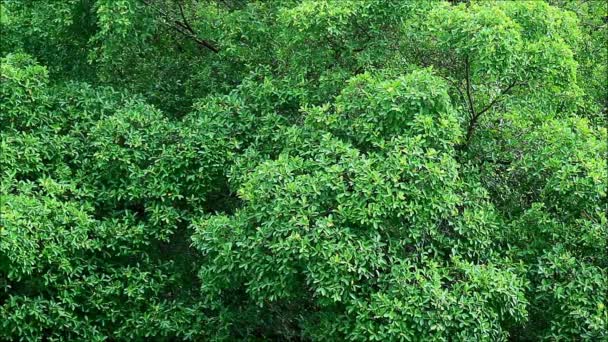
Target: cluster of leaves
303,170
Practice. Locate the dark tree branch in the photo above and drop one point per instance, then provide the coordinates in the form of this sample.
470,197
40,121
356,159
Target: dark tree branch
475,115
184,31
181,12
472,113
493,102
184,27
457,87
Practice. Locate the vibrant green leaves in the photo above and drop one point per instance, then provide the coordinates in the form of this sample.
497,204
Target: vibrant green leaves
303,170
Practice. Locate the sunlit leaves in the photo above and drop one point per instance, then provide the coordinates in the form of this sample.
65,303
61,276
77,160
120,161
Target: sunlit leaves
323,170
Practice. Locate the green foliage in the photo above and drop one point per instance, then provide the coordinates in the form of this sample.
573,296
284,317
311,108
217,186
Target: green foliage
370,111
572,294
303,170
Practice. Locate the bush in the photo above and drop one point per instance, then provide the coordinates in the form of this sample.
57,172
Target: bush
303,170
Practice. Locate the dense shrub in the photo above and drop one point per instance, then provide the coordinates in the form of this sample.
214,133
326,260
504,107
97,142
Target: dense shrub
303,170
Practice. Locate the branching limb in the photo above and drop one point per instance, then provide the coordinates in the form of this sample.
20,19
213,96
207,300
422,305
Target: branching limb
497,98
474,114
183,26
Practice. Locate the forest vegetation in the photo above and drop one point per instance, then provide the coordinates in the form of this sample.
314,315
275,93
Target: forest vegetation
303,170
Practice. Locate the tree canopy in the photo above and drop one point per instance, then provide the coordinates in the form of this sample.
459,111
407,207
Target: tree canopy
306,170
